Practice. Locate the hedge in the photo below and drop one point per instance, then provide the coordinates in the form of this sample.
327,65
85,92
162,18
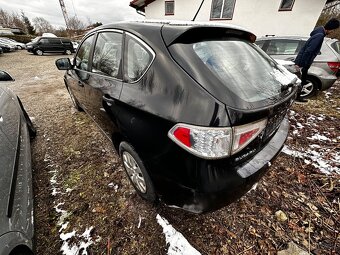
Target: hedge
20,38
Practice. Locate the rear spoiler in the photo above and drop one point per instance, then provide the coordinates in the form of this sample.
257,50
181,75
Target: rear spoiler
188,33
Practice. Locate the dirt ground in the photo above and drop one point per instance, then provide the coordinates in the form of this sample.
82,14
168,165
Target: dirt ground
84,200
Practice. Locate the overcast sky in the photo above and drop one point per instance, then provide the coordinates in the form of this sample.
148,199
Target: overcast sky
104,11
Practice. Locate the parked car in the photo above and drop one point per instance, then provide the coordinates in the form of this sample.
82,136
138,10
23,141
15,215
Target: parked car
16,199
322,73
6,47
40,45
18,44
4,41
196,112
75,45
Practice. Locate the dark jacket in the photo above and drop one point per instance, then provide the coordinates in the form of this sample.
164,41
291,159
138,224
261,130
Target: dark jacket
311,49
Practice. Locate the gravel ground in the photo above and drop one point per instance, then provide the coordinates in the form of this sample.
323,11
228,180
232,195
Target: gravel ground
85,205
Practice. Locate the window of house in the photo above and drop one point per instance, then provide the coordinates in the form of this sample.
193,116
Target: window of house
286,5
222,9
169,7
107,54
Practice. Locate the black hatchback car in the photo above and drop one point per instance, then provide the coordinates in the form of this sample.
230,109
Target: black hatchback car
196,111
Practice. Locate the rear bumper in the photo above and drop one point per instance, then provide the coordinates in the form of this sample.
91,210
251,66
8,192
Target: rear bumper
218,183
327,82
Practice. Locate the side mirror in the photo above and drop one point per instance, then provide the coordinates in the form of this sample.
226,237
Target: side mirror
63,64
4,76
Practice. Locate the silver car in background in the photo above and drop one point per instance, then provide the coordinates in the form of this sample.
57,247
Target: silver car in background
325,68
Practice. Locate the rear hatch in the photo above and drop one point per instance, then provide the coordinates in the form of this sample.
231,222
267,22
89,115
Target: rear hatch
226,63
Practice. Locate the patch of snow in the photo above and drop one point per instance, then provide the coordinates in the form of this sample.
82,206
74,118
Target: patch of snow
67,236
178,245
319,137
139,222
63,226
316,159
74,249
299,125
68,190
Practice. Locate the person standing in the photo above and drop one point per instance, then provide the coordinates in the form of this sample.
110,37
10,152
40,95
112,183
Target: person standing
311,49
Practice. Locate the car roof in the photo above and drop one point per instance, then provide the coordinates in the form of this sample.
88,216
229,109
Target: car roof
173,28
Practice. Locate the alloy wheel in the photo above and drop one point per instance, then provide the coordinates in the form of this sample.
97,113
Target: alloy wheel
134,172
39,52
307,89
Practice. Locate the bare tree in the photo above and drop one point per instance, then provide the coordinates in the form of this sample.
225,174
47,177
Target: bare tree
11,20
76,24
331,10
41,25
5,18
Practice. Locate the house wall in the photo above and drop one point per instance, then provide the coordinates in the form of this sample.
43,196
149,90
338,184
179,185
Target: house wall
260,17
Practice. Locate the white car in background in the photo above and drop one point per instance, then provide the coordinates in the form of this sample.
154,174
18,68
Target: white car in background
325,68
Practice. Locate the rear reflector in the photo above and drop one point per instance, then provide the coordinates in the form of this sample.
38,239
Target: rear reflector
215,142
334,66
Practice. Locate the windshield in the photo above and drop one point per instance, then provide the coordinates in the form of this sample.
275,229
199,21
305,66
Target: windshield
36,39
243,68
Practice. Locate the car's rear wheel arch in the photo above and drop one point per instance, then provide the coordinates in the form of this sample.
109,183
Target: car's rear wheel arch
21,250
142,183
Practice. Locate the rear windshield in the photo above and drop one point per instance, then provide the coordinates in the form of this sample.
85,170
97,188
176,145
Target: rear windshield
336,47
242,68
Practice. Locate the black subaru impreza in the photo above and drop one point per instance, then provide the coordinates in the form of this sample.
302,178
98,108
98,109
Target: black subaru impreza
196,111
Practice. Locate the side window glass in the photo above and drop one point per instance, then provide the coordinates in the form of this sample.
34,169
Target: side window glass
43,41
83,55
108,54
139,57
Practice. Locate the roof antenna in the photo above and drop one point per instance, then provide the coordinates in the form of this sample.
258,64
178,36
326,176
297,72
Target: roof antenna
199,8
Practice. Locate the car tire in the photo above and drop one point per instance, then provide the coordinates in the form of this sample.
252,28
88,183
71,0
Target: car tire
310,88
74,101
31,129
136,172
39,52
68,52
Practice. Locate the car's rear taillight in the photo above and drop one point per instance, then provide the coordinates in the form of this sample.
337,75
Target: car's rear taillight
334,66
214,143
244,134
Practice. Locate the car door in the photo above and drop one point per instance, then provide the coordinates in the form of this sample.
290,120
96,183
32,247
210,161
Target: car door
104,85
44,44
9,141
79,74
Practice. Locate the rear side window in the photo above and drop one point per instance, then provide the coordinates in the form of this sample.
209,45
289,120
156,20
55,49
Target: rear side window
139,58
242,68
336,46
54,41
83,54
283,47
108,54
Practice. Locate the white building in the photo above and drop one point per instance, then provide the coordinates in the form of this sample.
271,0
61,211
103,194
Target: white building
262,17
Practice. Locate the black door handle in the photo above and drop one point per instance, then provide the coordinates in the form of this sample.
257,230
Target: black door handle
108,99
